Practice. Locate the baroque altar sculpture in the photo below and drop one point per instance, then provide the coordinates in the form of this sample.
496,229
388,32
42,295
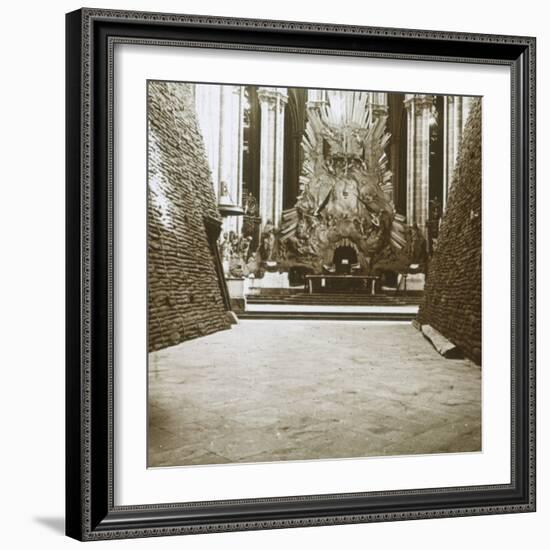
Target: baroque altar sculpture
345,198
345,201
235,254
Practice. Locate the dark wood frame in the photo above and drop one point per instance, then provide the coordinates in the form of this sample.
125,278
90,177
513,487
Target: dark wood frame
91,35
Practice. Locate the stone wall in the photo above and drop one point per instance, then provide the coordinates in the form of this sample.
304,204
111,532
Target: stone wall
185,298
452,302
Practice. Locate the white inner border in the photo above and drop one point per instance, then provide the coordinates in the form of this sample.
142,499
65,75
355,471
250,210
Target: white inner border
134,483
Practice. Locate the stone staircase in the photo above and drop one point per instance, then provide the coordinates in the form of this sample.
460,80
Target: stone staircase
335,299
356,306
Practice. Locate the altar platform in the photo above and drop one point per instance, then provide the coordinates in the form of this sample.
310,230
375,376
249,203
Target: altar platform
297,296
297,304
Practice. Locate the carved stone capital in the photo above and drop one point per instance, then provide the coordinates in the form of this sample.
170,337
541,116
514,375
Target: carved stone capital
272,97
420,101
425,101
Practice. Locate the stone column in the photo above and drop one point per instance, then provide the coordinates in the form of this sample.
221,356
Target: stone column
409,105
418,158
457,109
231,148
445,146
207,104
240,152
466,105
457,133
315,98
378,104
378,107
220,114
449,136
272,105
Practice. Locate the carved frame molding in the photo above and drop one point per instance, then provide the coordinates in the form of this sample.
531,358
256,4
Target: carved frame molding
91,36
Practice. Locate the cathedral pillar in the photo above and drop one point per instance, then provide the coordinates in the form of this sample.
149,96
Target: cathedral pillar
239,97
457,109
445,150
452,132
379,110
378,103
409,105
466,106
272,105
208,104
315,101
220,114
230,153
315,98
457,133
419,109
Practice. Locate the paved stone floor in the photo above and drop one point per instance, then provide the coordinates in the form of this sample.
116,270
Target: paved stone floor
295,390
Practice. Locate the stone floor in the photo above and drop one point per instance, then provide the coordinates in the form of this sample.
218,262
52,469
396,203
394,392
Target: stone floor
294,390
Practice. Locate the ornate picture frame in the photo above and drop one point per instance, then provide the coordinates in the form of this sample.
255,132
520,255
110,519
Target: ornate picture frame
91,511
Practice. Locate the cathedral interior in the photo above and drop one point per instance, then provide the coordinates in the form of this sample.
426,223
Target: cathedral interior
314,273
339,191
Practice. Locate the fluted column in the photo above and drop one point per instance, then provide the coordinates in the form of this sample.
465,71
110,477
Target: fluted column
452,132
208,105
378,102
411,118
418,158
457,109
466,105
379,110
315,98
457,134
231,144
272,105
220,114
239,93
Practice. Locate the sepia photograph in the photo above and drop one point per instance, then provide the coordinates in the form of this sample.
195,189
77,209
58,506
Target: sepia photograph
314,273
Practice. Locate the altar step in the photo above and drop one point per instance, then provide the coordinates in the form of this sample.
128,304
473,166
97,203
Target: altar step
392,316
335,299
